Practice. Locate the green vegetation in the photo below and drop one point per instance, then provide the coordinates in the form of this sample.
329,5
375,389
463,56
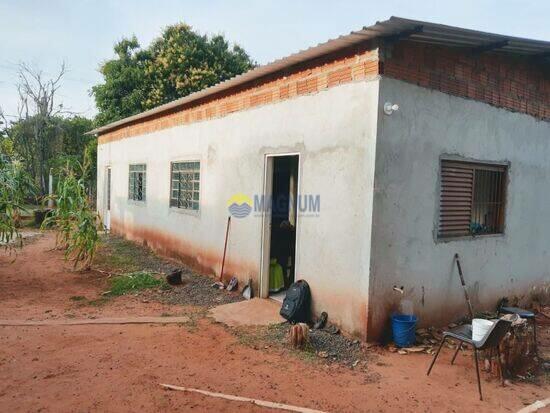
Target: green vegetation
60,141
178,63
118,255
74,218
126,284
15,186
44,135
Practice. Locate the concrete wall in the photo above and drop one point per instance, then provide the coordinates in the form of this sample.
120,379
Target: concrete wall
404,250
334,132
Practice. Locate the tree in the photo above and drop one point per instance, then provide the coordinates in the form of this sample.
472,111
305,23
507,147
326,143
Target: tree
43,137
178,63
7,151
72,141
35,135
123,92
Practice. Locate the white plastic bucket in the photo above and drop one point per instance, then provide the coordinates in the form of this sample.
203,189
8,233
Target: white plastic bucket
480,327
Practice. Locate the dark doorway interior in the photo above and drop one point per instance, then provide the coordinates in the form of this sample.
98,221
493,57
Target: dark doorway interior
283,224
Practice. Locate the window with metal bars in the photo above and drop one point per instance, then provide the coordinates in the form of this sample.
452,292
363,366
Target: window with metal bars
471,199
185,185
137,182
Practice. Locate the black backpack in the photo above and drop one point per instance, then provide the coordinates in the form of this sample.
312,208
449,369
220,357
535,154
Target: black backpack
297,303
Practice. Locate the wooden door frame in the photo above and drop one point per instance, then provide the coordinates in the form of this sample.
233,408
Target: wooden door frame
263,284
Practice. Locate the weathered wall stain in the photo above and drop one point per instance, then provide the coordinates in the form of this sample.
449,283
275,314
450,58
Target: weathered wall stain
202,260
336,163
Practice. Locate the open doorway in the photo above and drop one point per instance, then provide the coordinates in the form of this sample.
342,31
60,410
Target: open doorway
280,237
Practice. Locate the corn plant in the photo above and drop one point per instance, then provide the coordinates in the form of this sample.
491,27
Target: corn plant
15,187
74,218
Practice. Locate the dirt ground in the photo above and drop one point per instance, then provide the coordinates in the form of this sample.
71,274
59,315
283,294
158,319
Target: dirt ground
118,368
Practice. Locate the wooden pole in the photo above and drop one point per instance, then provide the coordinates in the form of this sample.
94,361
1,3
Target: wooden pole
263,403
457,259
225,246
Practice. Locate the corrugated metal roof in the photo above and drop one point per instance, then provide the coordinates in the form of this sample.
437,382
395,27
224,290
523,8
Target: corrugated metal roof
415,30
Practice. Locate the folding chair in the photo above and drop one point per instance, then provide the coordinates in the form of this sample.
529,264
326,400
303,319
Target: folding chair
463,334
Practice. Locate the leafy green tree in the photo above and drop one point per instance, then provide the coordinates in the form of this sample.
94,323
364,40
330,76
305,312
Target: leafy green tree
7,151
60,140
37,140
72,141
178,63
124,89
42,132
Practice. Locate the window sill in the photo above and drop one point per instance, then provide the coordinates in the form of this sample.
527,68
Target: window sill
137,203
468,238
183,211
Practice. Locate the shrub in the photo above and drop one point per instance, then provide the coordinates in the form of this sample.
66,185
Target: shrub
74,219
15,187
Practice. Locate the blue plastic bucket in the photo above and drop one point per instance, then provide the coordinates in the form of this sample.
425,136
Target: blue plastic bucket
404,328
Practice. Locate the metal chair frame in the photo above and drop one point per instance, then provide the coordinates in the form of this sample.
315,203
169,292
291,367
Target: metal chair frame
463,334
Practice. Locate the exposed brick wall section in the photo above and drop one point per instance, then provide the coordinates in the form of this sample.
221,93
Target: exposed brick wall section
346,66
517,84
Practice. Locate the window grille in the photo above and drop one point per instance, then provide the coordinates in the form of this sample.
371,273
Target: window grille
185,185
471,199
137,182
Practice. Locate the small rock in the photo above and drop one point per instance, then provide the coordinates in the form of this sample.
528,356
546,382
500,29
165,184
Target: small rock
402,352
323,354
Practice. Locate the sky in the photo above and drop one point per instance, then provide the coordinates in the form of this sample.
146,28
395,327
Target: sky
82,33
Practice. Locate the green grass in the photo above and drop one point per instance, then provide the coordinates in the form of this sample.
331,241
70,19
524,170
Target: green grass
119,255
134,282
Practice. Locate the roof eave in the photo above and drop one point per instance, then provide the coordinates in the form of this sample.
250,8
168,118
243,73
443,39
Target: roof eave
415,30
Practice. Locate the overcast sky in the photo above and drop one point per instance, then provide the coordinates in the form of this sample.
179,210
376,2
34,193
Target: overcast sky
45,33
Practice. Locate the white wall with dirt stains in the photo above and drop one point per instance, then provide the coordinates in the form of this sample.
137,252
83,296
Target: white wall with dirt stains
334,132
405,252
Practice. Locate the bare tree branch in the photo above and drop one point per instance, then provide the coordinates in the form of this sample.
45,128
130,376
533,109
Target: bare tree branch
37,108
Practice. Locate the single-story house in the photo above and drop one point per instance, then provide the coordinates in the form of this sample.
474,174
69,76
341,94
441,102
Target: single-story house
360,164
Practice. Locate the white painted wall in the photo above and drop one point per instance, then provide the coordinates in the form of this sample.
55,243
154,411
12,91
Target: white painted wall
409,144
335,133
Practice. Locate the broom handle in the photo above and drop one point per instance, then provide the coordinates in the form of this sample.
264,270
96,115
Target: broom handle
225,246
464,286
